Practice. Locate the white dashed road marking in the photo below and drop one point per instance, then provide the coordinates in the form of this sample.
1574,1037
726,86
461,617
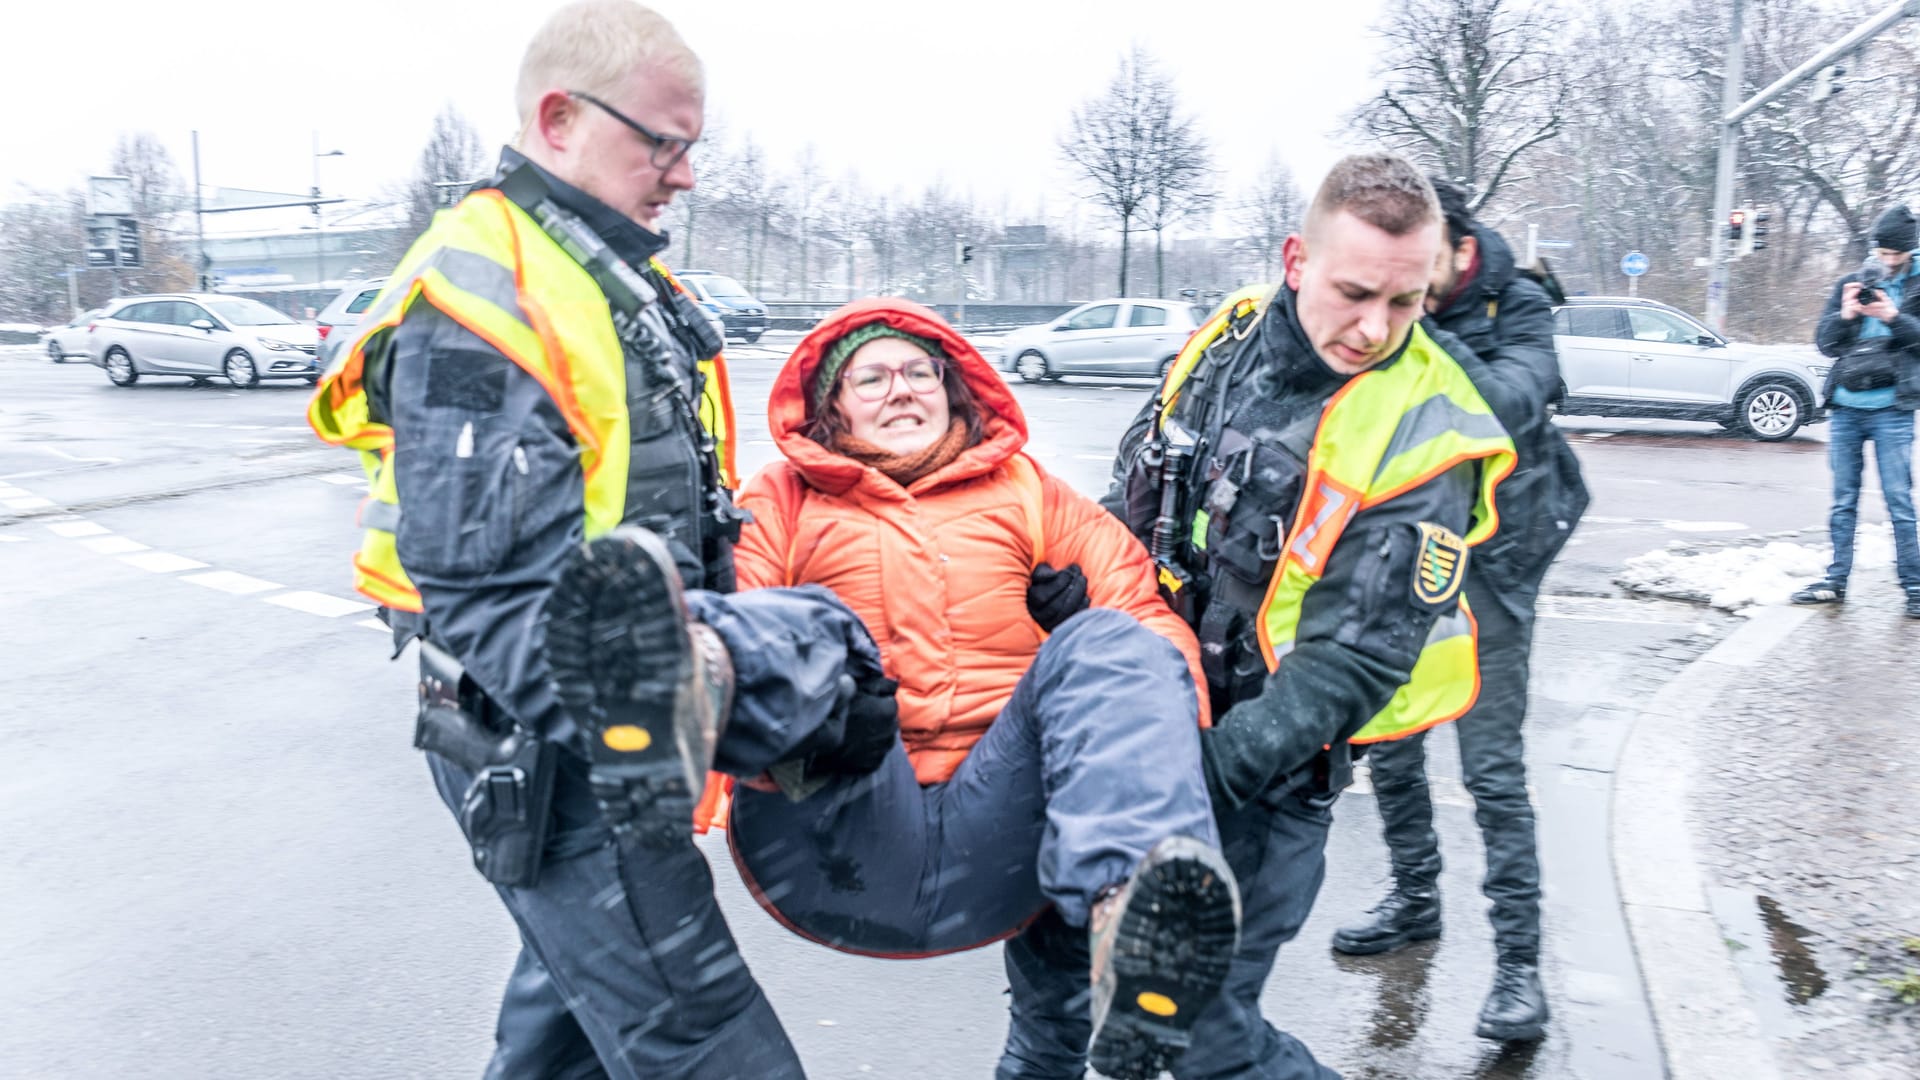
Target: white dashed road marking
73,530
314,603
374,624
227,581
161,562
13,539
343,478
25,504
113,545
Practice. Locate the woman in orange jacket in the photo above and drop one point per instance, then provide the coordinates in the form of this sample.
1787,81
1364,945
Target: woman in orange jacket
1045,786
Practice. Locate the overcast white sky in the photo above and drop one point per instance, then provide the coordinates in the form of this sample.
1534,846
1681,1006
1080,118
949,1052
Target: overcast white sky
975,93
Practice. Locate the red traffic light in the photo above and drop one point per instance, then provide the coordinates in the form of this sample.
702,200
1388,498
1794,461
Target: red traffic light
1737,218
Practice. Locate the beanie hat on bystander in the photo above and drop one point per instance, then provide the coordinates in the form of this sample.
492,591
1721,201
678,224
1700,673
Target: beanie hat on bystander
1896,230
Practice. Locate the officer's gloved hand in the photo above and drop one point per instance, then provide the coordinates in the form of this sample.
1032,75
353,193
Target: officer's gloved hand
872,727
1256,744
1056,595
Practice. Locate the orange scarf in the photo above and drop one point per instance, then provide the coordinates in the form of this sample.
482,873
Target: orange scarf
904,469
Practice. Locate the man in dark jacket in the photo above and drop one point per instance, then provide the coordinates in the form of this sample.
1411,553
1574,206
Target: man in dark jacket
1872,330
1505,318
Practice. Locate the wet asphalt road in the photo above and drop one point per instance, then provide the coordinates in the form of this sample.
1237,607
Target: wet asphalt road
223,859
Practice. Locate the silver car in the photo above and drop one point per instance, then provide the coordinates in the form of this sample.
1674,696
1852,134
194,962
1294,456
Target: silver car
343,313
1624,356
202,336
1106,337
71,339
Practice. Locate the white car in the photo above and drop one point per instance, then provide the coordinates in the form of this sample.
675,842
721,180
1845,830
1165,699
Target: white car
1106,337
1621,356
201,336
71,339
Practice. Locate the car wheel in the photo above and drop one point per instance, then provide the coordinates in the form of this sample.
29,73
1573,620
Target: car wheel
54,354
120,369
751,339
1166,366
1033,367
239,370
1772,411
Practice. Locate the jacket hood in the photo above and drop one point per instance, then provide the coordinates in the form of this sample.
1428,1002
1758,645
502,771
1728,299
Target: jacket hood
1005,426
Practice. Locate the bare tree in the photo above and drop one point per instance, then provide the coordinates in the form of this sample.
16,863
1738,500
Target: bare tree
1473,86
1110,143
158,198
1179,171
1268,212
454,156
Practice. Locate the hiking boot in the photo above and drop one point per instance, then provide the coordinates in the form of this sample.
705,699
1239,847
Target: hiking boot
1822,592
648,688
1404,917
1161,946
1516,1010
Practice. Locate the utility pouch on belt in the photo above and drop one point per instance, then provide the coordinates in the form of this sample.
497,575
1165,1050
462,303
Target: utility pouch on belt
504,811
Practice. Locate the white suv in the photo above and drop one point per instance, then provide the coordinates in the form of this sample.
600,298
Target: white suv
1628,357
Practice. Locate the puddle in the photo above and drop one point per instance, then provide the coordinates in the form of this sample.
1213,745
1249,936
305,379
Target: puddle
1792,956
1774,956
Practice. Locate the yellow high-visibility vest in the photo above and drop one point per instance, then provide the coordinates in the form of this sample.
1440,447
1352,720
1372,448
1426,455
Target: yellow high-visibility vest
1386,432
490,267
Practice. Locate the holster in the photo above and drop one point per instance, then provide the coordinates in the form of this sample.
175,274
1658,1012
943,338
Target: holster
505,809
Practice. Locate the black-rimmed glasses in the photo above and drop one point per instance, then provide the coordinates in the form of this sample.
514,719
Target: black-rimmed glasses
873,382
667,149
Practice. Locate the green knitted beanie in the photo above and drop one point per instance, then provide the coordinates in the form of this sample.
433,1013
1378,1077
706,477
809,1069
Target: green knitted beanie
840,351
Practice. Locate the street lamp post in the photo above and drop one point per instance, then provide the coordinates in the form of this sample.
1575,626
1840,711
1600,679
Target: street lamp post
319,231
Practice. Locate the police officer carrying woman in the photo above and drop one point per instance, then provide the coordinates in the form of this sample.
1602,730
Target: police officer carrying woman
546,425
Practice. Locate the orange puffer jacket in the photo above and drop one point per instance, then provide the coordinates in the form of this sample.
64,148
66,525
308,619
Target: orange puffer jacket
937,570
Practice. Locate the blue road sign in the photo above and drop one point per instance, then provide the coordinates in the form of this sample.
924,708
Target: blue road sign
1633,264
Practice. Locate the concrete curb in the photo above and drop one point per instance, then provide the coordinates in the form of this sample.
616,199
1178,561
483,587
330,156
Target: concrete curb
1707,1026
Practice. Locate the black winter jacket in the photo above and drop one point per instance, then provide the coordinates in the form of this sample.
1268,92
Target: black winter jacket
1361,629
1836,335
1505,321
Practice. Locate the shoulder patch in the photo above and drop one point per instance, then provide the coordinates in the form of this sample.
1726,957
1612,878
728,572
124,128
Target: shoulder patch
1441,565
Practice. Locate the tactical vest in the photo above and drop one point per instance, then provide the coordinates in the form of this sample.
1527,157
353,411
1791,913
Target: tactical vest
650,454
1274,505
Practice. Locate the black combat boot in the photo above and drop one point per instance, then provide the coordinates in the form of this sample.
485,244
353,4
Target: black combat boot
649,688
1161,945
1404,917
1516,1010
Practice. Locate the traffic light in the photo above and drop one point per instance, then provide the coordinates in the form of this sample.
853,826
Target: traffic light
129,242
1736,226
1756,232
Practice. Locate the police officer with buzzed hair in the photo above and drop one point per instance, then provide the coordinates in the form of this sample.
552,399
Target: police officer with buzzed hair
1309,480
546,425
1503,315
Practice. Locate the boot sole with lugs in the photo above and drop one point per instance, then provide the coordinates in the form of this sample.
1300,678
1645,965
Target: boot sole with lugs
1170,955
622,660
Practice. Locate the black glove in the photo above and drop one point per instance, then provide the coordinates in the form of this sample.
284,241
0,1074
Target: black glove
872,727
1056,595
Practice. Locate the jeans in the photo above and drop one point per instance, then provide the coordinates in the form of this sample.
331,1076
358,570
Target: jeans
1493,761
1891,432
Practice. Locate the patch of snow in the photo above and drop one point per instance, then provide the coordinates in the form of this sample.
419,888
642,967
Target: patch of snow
1735,578
22,328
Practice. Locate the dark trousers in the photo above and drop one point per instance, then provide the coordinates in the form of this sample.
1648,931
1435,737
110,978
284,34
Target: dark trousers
1492,759
627,968
1093,760
1891,433
1277,849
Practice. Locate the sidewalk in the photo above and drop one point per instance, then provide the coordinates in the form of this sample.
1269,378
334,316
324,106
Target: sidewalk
1768,925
